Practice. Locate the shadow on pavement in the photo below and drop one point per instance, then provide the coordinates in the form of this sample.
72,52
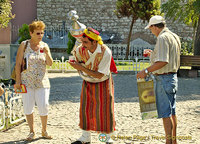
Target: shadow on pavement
22,141
188,89
65,89
69,88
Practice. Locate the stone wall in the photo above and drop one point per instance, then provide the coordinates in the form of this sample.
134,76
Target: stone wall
99,14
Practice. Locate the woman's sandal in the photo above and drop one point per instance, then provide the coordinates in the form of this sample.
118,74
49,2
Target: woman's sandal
46,136
31,136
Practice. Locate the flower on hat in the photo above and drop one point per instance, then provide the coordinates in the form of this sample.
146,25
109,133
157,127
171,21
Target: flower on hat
93,34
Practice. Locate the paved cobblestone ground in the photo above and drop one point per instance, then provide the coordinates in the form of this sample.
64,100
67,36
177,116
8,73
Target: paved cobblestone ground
64,114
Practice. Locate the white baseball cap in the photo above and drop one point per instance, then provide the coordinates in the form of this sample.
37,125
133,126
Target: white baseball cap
155,20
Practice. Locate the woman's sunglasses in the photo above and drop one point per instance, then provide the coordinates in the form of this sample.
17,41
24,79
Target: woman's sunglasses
40,33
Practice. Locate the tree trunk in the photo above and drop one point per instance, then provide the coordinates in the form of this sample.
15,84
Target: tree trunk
197,40
197,43
129,38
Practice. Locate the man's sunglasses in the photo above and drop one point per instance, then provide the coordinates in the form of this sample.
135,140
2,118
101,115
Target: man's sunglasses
40,33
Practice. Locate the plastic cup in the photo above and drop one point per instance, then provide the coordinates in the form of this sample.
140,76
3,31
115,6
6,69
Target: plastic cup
71,58
41,50
145,54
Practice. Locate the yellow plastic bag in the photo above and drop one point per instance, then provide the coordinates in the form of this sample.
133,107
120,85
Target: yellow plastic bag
147,99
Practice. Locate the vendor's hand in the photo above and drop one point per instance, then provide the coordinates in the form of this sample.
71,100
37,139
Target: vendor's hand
141,74
76,65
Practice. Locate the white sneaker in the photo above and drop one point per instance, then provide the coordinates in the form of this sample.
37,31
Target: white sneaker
86,136
84,139
109,139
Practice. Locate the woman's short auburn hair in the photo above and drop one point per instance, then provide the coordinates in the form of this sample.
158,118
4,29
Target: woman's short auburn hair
36,25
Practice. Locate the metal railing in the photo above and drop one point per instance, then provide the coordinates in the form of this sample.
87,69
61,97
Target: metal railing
60,66
119,51
136,65
11,108
136,61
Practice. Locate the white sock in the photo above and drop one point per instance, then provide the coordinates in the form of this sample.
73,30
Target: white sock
86,136
109,139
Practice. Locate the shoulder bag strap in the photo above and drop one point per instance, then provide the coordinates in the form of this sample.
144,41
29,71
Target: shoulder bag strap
26,45
24,60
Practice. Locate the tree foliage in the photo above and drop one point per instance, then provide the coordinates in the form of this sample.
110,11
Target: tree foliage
136,9
196,5
70,43
5,13
188,12
182,11
24,33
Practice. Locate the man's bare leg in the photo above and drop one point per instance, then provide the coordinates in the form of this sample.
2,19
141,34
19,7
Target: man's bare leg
167,122
174,124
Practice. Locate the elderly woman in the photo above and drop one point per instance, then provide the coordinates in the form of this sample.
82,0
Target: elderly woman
37,55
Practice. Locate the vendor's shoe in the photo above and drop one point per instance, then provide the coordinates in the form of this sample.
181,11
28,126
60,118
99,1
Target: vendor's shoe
84,139
109,140
46,136
80,142
31,136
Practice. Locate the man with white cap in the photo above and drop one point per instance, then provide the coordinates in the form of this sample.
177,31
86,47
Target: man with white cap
165,61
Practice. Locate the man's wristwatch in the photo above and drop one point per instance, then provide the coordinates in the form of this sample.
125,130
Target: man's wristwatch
146,71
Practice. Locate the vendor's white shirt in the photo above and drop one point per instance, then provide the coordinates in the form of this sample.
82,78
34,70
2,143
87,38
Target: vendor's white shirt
104,65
